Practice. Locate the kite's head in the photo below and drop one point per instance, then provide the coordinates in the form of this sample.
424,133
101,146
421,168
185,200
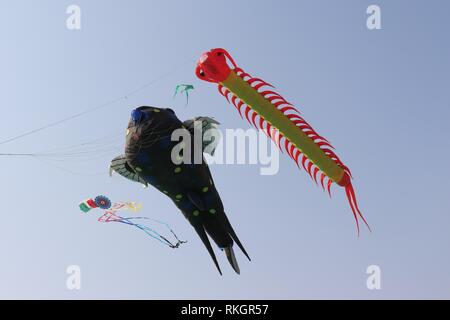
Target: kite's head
151,115
140,116
145,118
213,67
146,127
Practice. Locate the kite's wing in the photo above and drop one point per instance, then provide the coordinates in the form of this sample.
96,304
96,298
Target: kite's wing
210,133
177,89
119,164
181,88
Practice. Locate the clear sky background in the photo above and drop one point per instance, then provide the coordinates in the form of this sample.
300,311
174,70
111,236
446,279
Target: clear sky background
381,97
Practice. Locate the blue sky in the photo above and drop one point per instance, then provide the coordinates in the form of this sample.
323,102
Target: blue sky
381,97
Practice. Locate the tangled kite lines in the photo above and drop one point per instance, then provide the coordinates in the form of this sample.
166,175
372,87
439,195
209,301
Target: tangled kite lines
111,215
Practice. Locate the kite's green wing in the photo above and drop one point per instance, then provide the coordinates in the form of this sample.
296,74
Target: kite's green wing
210,133
119,164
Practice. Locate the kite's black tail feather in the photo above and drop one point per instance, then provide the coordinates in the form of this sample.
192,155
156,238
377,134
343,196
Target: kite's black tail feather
233,235
202,234
232,258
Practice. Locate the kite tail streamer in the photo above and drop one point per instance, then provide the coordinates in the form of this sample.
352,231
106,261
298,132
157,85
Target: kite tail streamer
111,215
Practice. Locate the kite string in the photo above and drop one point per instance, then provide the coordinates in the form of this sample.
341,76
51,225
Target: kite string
151,232
95,108
50,164
102,140
111,216
50,156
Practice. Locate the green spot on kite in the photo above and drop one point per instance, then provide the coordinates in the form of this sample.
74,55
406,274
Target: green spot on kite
196,213
212,211
177,170
138,169
179,196
205,189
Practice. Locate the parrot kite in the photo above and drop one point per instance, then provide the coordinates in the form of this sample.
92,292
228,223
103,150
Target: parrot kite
148,159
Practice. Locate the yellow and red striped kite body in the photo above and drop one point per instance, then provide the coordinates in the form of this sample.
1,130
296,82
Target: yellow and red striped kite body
267,110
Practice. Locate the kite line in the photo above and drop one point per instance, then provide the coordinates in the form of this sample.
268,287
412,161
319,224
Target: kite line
97,107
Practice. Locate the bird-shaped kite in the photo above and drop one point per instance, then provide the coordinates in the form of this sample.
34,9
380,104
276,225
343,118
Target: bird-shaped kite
150,159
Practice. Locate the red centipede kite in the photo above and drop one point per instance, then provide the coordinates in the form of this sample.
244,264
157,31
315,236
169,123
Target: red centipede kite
280,120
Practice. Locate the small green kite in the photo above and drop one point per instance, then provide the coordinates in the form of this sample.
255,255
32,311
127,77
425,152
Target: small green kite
183,88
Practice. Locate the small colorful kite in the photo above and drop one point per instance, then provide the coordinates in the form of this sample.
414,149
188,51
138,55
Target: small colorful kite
111,215
267,110
183,88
